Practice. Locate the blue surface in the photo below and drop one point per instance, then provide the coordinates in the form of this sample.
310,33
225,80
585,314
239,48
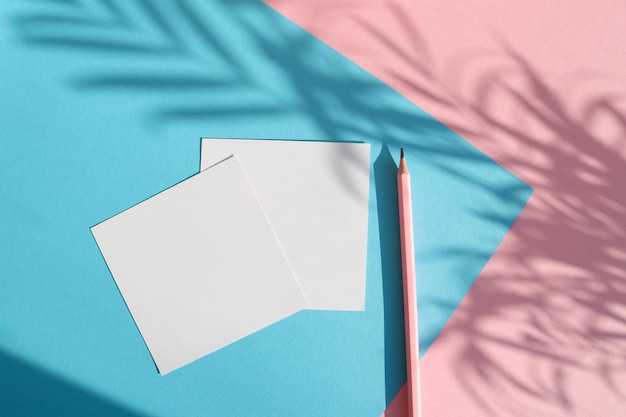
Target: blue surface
103,103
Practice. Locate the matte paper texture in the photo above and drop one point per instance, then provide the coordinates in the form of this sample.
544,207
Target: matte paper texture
316,196
199,266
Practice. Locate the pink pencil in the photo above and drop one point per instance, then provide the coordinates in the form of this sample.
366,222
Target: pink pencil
408,280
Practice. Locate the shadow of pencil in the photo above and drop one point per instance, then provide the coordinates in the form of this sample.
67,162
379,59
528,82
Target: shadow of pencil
385,170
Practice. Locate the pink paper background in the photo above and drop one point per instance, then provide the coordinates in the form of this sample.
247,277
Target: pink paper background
541,88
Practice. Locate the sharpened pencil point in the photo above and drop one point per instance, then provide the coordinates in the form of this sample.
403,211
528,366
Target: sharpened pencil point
402,168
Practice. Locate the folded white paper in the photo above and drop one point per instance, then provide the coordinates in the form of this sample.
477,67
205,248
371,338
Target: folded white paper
199,265
316,196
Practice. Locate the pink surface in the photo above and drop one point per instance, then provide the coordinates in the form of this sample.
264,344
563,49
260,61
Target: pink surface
541,88
409,292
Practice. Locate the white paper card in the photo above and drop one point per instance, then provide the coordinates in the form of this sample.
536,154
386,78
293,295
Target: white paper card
199,266
316,196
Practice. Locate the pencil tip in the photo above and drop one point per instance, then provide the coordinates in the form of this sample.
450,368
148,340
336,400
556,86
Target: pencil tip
401,152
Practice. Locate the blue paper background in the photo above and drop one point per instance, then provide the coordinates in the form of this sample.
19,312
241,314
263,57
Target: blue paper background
103,103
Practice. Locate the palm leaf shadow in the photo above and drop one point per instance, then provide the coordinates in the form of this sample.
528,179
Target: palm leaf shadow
171,63
176,59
